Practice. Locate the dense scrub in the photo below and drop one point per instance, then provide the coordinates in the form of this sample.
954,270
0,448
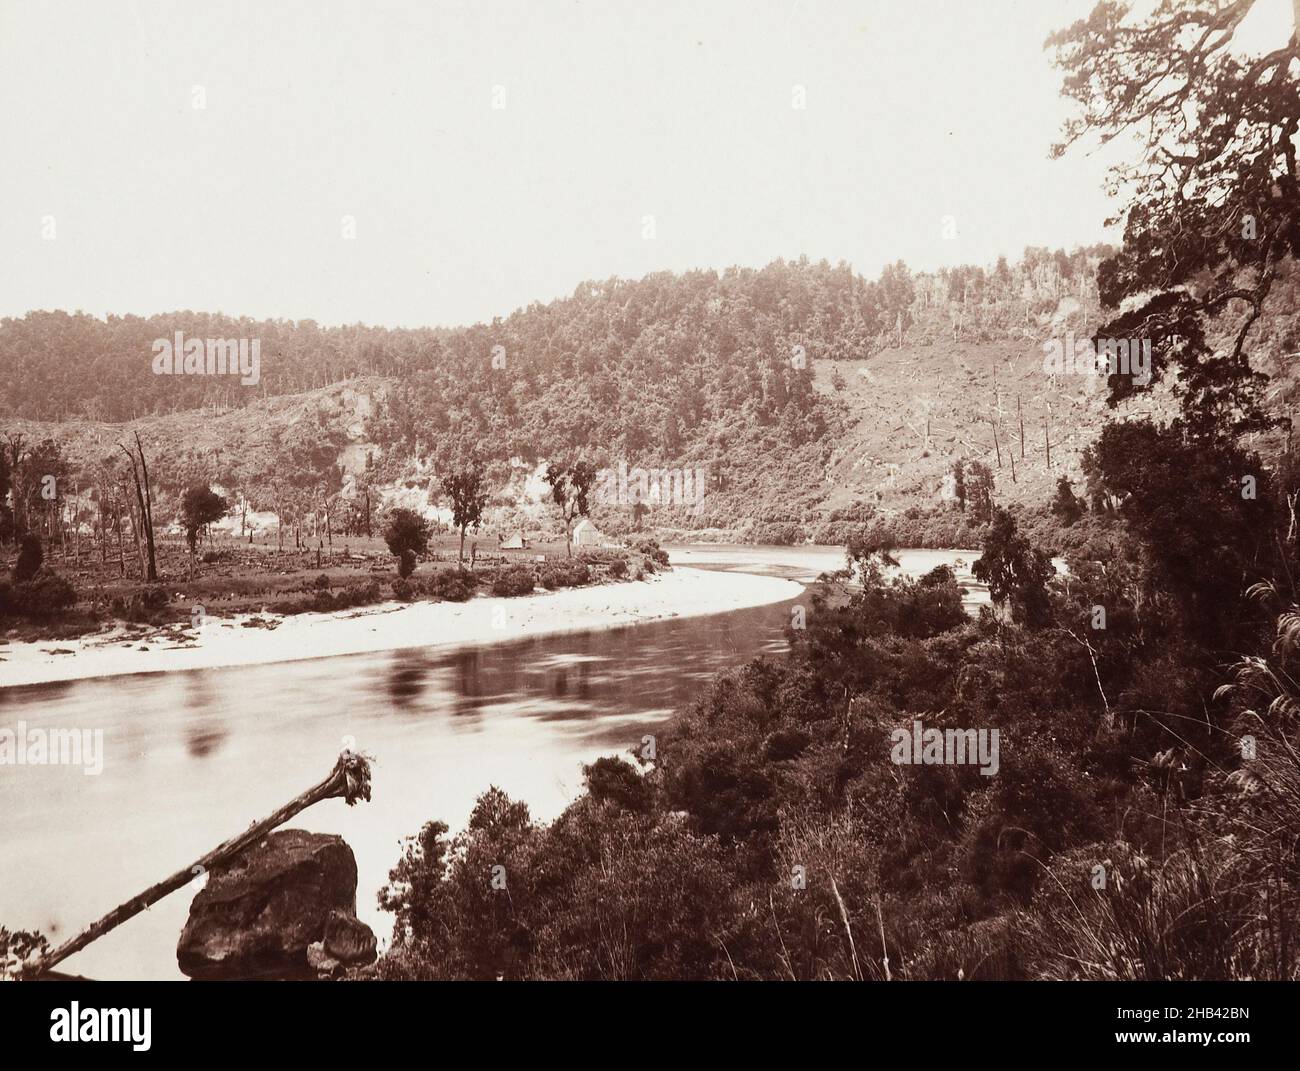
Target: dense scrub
1139,824
34,591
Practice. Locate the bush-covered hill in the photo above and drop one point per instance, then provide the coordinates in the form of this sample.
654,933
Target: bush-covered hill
800,390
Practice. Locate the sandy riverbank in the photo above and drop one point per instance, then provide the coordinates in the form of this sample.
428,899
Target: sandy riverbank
392,626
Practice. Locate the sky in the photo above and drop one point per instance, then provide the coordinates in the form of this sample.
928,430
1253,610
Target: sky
446,162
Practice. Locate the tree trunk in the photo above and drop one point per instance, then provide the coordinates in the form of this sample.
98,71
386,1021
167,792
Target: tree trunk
148,520
350,779
76,521
143,502
121,555
135,528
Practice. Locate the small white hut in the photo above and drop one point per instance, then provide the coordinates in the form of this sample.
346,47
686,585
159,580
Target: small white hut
587,534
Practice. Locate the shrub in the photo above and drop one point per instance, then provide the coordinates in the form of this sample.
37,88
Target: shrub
361,594
651,549
402,590
516,580
46,594
200,506
618,568
140,605
565,575
611,780
938,577
785,744
454,585
30,556
407,534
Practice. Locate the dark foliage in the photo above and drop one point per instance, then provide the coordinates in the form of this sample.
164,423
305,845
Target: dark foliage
407,535
514,580
30,556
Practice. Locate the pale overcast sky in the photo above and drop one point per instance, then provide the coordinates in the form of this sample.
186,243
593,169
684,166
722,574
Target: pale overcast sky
613,112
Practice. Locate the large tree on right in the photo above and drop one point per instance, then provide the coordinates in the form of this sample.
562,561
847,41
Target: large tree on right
1211,208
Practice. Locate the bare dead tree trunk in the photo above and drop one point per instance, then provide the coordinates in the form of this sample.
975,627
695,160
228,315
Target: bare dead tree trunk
135,528
121,554
76,520
148,503
139,508
16,483
144,498
1047,435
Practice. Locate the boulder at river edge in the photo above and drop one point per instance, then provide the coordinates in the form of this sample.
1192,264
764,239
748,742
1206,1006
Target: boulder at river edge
258,915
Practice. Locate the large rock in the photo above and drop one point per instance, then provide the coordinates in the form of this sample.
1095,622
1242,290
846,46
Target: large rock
257,916
348,942
349,939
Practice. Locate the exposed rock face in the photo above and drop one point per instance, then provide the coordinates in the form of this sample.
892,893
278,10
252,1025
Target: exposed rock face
257,916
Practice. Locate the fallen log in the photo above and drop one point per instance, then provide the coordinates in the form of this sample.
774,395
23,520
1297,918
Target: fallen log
350,779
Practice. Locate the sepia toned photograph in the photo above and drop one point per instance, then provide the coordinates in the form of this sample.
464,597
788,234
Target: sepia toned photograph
751,492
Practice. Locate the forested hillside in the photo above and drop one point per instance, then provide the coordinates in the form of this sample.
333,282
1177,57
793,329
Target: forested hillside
799,389
61,365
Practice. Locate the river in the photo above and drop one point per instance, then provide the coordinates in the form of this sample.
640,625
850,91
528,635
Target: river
193,757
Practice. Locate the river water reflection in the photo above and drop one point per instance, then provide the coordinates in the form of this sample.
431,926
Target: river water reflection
193,757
